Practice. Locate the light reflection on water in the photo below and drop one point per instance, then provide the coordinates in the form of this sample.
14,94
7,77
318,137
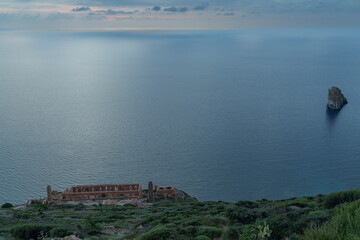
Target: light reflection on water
223,115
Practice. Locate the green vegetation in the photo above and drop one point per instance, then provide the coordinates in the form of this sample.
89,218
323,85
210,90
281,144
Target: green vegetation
334,199
7,205
332,217
31,231
162,233
345,224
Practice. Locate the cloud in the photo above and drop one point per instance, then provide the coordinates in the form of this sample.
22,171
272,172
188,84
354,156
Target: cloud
183,9
81,9
248,6
94,16
113,12
175,9
201,7
160,13
170,9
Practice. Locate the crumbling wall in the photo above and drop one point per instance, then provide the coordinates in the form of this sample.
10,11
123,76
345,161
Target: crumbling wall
165,191
102,192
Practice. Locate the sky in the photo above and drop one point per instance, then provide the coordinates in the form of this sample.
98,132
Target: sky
179,14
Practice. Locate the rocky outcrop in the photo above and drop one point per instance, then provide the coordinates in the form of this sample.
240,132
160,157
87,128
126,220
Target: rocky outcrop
181,195
336,99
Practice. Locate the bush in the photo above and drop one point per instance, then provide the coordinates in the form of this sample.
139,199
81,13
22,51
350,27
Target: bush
7,205
147,220
295,237
243,215
284,226
248,232
196,221
231,233
345,224
247,204
312,219
79,207
60,232
334,199
202,237
158,234
90,227
30,231
189,230
210,232
281,226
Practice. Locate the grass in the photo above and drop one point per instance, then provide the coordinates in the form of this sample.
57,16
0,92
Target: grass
345,224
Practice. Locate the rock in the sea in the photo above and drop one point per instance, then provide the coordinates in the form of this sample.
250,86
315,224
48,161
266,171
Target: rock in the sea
336,99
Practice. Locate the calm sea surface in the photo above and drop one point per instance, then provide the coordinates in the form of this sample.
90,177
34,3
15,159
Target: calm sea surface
222,115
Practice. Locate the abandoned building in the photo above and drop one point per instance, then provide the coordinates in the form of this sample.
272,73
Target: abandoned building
108,192
98,192
101,192
167,192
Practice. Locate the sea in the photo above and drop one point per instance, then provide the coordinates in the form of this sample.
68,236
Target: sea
222,115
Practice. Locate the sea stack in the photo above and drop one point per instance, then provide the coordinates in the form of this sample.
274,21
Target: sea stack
336,99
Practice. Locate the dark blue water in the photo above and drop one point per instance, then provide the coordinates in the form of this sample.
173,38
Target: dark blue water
223,115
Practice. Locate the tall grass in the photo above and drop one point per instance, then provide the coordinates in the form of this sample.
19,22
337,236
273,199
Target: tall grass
345,225
334,199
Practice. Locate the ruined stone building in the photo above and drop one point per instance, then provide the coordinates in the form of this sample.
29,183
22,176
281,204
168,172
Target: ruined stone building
109,192
167,192
102,192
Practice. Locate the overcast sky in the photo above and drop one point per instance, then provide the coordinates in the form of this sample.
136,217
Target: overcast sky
179,14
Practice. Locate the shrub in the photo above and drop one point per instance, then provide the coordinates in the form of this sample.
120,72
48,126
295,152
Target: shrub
211,221
334,199
248,232
281,226
90,227
210,232
231,233
264,230
7,205
295,237
247,204
312,219
296,222
60,232
79,206
147,220
193,222
189,230
345,224
30,231
243,215
202,237
158,234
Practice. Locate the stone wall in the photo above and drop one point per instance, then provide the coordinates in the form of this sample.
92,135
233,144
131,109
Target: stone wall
165,191
102,192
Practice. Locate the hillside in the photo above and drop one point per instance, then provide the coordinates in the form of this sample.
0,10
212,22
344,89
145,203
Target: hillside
333,216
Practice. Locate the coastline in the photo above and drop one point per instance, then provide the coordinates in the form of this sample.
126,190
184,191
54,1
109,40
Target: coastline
293,218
